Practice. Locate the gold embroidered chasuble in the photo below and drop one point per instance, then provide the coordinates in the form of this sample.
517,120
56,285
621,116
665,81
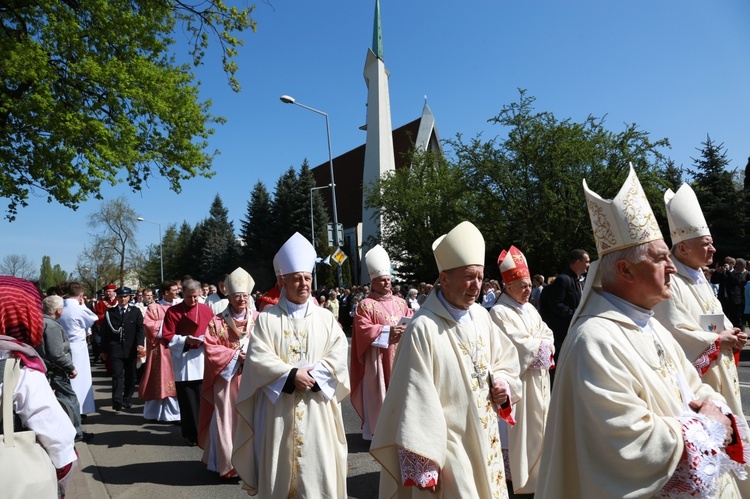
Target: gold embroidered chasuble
526,331
680,315
612,430
297,446
437,405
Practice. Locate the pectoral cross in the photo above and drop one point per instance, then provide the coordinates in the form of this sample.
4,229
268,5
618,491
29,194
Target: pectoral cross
479,374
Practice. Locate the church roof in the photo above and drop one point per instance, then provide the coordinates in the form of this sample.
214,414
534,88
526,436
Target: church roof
348,172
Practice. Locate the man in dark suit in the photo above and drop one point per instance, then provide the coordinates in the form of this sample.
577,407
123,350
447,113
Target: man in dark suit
731,290
561,298
122,337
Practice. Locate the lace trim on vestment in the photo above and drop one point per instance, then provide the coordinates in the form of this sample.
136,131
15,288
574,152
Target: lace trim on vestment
703,362
544,358
417,470
703,460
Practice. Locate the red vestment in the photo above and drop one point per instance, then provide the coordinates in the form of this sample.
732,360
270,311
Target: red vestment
370,367
218,396
157,382
185,321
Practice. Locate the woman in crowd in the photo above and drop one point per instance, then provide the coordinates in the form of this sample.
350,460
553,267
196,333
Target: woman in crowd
34,402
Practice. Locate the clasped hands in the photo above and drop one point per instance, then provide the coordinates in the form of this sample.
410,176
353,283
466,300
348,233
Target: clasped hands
733,338
711,411
303,380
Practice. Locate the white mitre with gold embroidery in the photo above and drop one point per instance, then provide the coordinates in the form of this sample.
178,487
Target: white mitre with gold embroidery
378,262
239,281
685,216
622,222
619,223
463,245
296,255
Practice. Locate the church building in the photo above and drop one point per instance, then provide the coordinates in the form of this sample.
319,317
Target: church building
384,150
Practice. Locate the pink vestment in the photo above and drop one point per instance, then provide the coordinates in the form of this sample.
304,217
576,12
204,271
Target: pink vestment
218,396
370,366
157,382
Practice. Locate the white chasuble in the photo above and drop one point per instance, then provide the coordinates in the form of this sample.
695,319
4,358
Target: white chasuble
438,406
680,316
613,430
524,327
294,446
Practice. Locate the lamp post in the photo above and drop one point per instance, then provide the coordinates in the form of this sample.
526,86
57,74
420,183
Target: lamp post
286,99
312,230
161,254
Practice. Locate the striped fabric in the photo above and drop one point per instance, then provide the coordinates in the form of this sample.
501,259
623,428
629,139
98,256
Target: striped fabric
20,310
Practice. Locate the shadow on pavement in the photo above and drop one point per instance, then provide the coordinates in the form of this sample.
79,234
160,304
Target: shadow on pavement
356,443
363,486
177,473
114,439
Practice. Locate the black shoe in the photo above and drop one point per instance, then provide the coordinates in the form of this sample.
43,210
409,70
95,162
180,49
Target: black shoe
116,407
86,437
127,405
192,442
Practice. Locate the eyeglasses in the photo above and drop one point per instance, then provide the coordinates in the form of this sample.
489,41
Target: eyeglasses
522,286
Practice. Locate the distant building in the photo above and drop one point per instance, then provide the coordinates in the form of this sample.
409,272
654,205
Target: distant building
384,150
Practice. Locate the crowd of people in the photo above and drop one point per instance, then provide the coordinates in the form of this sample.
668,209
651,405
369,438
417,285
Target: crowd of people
453,382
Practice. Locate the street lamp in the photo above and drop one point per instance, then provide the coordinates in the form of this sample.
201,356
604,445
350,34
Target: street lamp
312,230
286,99
161,254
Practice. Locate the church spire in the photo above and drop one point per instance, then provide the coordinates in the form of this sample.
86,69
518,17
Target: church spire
377,35
379,156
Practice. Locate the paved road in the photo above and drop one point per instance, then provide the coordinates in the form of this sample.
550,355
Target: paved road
130,457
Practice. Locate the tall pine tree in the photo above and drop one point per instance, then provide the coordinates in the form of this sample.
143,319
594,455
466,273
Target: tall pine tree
721,199
258,230
50,276
672,175
219,252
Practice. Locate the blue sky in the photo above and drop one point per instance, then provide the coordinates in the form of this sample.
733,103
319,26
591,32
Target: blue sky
677,68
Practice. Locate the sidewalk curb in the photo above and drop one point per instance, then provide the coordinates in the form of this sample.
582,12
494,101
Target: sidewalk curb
87,481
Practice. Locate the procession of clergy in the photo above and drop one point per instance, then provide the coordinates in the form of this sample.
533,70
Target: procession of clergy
457,400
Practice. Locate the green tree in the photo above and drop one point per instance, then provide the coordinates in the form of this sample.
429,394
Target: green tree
93,89
170,250
51,276
219,250
528,184
257,230
419,204
523,189
115,223
672,175
149,271
721,199
291,208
